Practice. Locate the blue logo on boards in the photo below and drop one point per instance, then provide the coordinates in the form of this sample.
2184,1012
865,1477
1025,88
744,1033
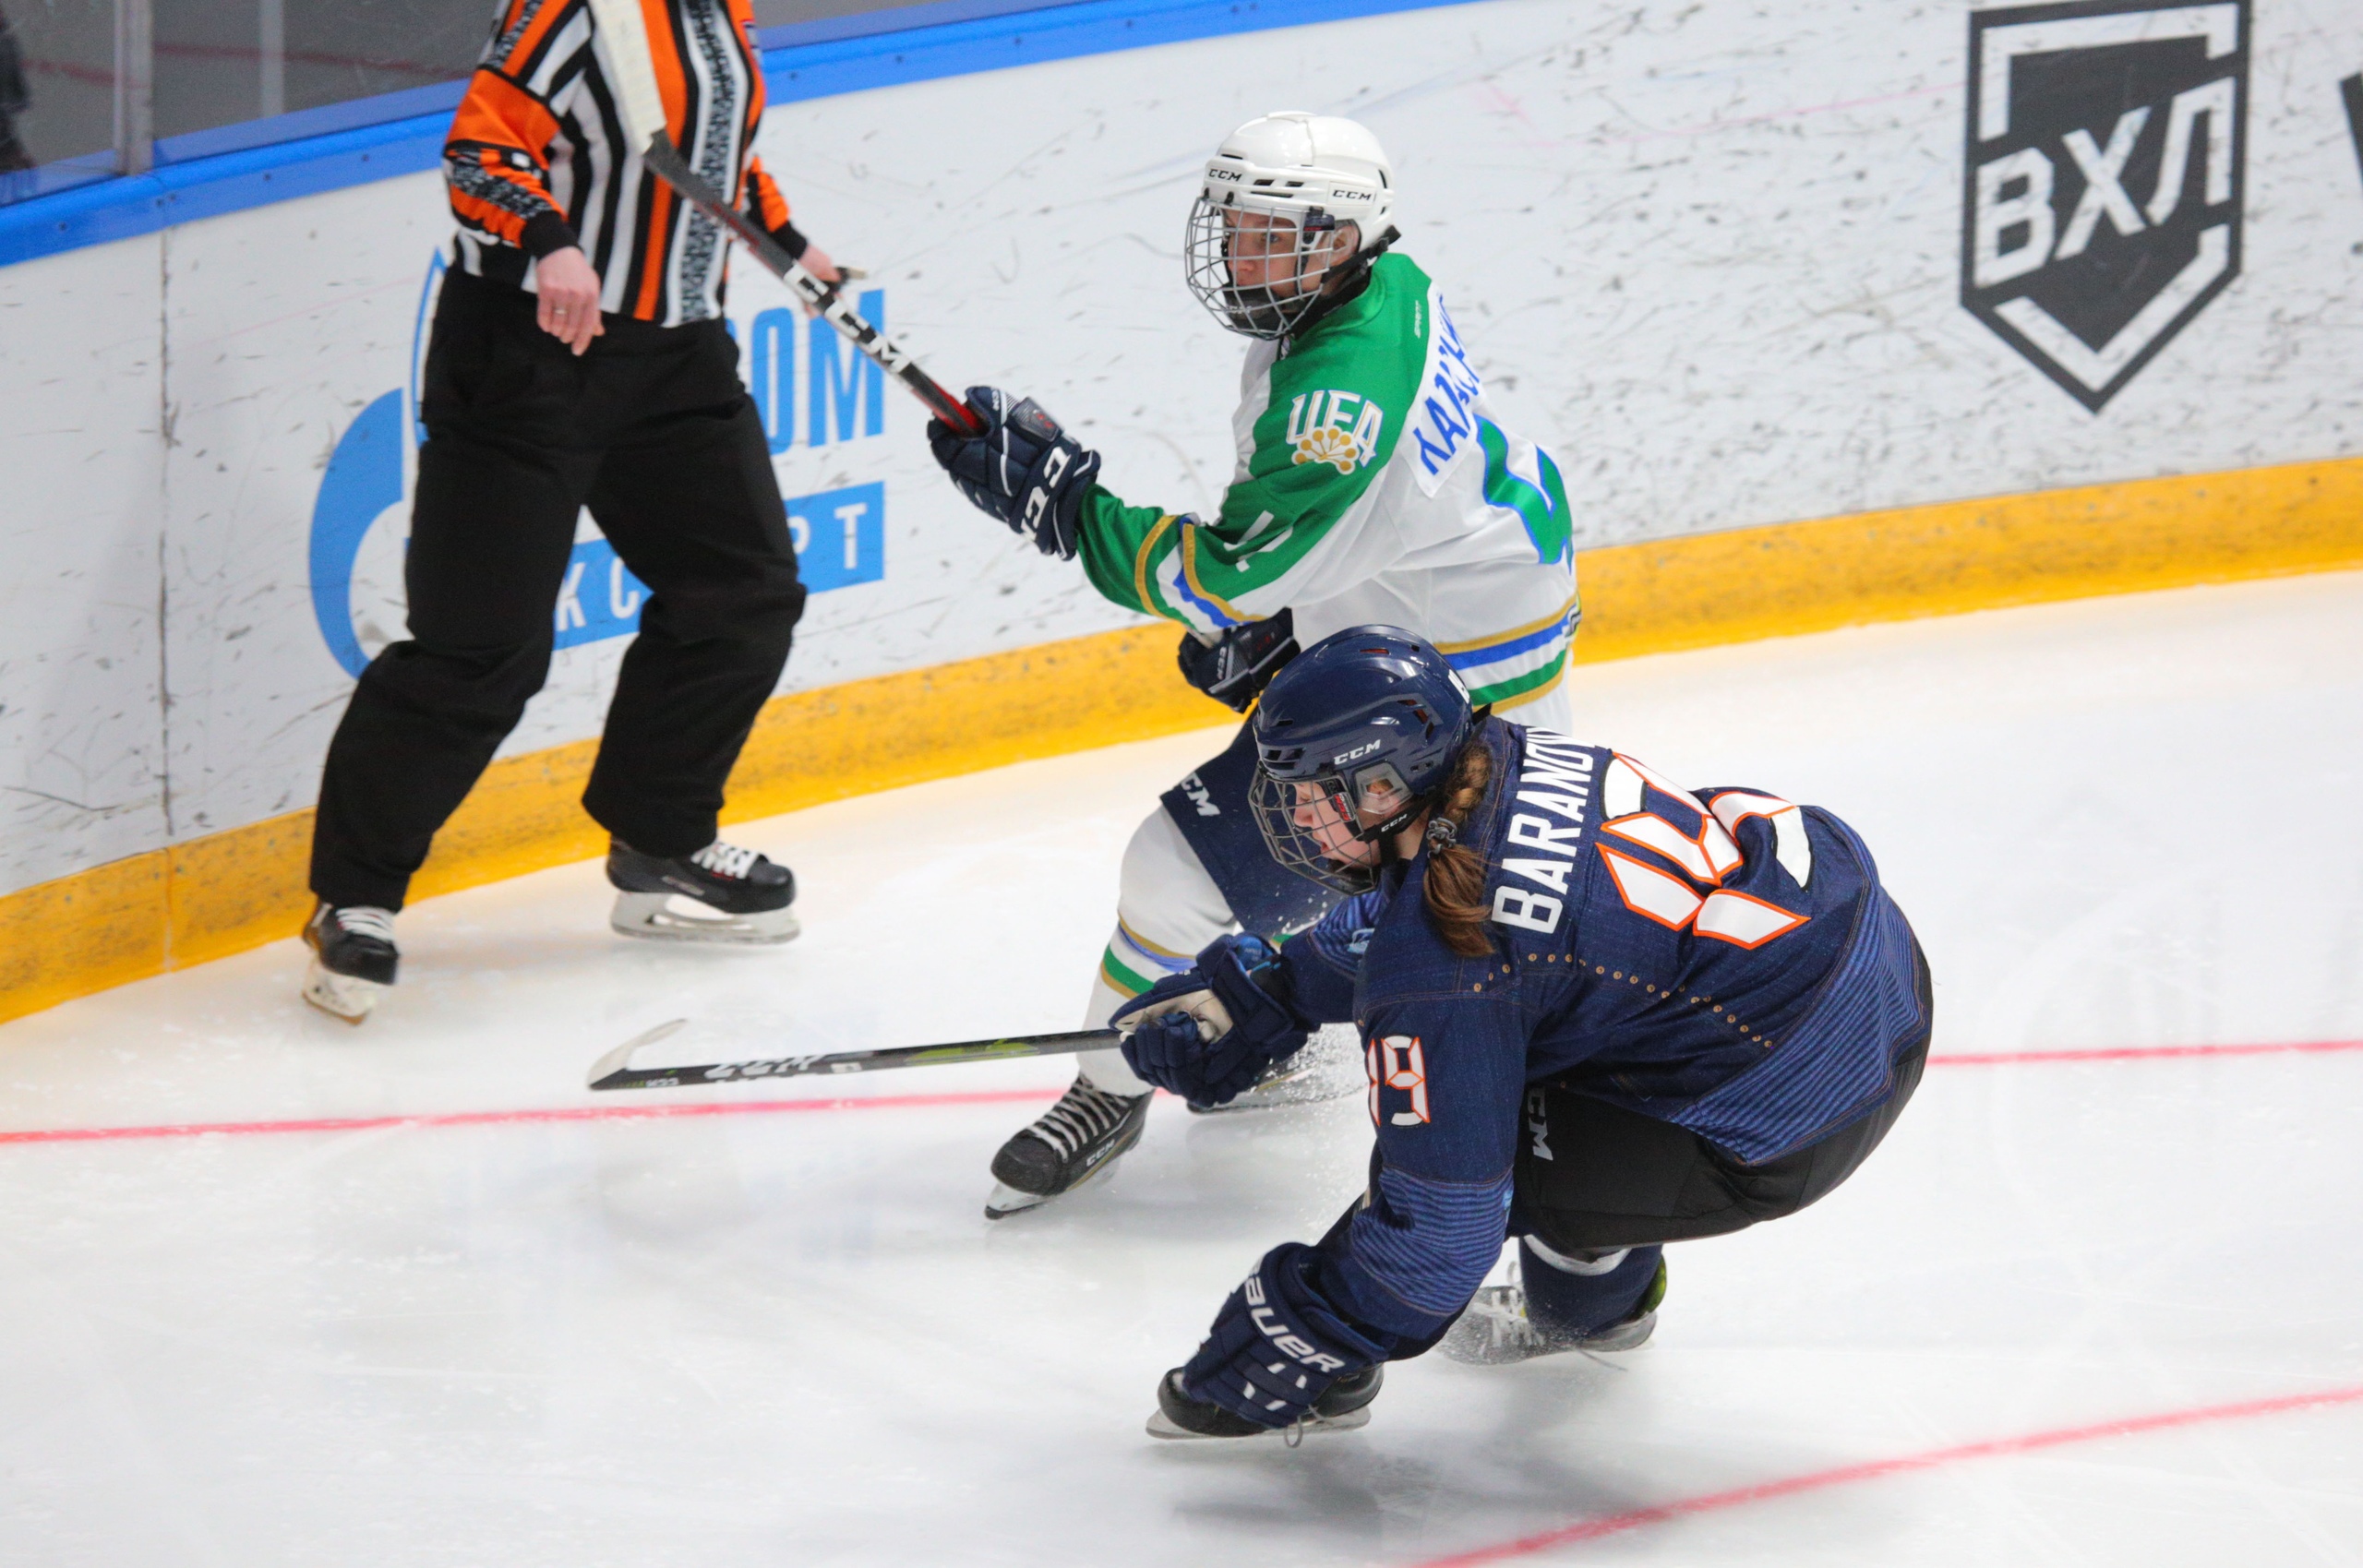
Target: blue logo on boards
841,389
840,536
365,477
597,598
840,539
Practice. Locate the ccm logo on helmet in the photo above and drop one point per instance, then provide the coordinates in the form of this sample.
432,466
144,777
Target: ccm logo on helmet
1230,174
1350,194
1362,750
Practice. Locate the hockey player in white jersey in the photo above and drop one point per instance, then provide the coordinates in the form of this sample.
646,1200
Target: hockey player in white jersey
1373,485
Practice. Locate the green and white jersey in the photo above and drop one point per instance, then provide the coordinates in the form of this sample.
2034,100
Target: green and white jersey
1373,485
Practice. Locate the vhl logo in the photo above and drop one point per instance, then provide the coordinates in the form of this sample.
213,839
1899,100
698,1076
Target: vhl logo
2103,203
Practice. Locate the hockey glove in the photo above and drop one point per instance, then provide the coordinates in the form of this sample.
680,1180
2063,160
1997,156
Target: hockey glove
1241,662
1209,1033
1024,469
1277,1344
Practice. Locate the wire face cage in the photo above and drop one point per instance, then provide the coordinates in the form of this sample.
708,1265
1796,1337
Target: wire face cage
1315,825
1249,268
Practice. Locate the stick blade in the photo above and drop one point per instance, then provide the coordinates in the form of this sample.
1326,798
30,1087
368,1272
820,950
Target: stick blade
609,1069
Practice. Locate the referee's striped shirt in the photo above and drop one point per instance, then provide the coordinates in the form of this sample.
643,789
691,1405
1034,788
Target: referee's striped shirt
538,159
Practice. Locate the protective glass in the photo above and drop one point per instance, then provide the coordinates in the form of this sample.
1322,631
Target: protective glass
1259,274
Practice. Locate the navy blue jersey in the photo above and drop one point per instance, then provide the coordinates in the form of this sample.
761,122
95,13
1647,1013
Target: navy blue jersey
1721,959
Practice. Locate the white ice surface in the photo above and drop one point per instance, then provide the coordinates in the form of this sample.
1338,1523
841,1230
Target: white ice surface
792,1339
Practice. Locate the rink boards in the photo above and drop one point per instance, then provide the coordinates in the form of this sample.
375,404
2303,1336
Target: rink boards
1735,267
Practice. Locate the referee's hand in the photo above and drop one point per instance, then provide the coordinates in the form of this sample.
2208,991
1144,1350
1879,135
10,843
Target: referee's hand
816,261
569,287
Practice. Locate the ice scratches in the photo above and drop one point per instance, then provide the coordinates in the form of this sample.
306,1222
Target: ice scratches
336,699
897,613
100,811
1022,165
1189,464
1016,263
950,604
1368,102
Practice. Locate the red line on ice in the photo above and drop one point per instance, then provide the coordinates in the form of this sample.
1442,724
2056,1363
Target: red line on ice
498,1118
2138,1053
1874,1469
983,1097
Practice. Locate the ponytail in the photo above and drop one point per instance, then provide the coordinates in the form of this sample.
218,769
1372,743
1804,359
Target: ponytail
1455,889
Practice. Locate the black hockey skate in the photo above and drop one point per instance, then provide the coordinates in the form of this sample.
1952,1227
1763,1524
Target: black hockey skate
1343,1405
1495,1330
1075,1142
734,895
354,959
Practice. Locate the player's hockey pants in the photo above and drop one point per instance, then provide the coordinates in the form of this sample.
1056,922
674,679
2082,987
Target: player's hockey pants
653,431
1618,1178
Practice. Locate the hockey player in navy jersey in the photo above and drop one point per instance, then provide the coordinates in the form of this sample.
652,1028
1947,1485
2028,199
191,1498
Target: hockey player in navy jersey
1600,1011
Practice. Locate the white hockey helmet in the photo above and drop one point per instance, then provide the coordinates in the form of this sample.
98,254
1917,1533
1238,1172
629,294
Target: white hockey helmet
1295,177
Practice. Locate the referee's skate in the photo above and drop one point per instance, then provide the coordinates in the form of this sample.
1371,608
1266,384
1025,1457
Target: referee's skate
721,893
354,960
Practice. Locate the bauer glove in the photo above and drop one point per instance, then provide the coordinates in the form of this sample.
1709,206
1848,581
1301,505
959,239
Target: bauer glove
1023,469
1277,1344
1209,1033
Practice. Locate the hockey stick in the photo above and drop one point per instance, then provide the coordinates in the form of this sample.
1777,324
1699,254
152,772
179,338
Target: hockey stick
643,109
614,1071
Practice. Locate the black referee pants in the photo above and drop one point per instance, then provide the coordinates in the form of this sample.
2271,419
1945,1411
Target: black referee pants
652,430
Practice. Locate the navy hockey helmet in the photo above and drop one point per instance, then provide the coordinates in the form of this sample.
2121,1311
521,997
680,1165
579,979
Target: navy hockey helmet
1354,738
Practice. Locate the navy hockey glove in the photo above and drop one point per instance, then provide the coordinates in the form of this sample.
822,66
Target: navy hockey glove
1209,1033
1277,1344
1241,662
1024,470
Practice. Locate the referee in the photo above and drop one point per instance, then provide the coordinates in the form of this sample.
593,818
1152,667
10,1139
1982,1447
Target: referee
579,358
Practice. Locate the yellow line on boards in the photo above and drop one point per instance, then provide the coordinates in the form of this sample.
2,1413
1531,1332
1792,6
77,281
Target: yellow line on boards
1954,557
232,891
235,890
